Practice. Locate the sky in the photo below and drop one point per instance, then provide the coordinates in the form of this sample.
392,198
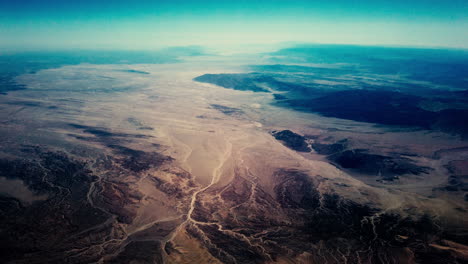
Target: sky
147,25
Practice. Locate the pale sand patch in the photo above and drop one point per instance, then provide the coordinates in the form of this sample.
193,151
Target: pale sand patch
17,189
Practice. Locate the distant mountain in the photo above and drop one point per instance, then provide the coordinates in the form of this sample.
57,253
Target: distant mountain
423,88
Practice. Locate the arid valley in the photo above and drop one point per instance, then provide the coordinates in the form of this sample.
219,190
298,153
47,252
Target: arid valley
151,163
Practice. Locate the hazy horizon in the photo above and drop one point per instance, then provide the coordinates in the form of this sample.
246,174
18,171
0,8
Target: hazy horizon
148,25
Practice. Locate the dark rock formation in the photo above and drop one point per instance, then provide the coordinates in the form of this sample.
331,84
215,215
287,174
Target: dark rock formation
242,82
292,140
227,110
360,161
328,149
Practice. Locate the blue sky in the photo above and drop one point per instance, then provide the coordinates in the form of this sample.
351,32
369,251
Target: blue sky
99,24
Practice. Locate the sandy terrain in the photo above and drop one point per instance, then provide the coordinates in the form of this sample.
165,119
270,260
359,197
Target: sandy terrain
229,160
